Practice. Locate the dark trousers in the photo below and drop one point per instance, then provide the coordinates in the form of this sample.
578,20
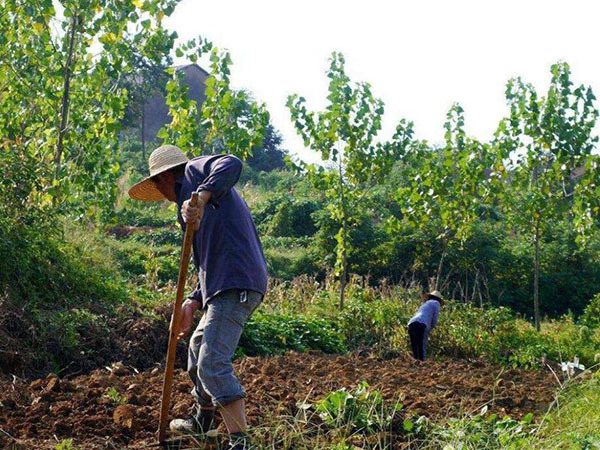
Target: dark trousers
417,332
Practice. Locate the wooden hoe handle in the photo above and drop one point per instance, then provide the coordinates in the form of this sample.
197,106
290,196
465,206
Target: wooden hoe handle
175,322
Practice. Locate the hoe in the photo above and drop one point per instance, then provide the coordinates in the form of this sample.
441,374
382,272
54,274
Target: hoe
173,329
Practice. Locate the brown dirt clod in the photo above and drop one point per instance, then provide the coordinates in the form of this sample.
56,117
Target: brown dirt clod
126,417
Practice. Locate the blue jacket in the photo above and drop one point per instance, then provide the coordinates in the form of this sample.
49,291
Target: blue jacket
227,251
427,314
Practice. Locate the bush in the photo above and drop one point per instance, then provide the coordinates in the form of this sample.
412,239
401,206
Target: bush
273,334
153,214
58,286
287,263
371,320
477,432
293,218
378,317
591,315
161,236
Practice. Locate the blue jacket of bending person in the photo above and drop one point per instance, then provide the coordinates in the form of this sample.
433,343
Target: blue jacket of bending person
424,320
427,314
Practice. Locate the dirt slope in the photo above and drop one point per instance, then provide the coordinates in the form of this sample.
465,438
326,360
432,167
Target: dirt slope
40,414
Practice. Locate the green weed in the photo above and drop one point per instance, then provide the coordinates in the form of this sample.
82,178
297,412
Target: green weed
115,396
65,444
361,409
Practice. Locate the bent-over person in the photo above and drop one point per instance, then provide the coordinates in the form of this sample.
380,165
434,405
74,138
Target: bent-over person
424,320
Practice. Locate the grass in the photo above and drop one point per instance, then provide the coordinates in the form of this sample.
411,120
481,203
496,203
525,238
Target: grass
573,422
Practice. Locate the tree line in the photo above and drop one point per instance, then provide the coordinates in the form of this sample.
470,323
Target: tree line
69,74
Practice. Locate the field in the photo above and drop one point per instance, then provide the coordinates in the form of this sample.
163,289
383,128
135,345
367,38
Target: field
485,364
357,221
116,407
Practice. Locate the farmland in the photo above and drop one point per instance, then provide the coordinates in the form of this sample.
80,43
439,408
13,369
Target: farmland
505,227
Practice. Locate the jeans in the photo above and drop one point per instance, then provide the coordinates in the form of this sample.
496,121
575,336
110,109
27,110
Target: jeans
213,345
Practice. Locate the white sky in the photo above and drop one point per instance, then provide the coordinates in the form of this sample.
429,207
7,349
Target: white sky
420,56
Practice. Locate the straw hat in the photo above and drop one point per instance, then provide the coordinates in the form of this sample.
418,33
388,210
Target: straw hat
435,294
161,160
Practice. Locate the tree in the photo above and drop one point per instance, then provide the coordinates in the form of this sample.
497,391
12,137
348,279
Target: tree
268,156
544,145
450,185
60,84
147,81
229,120
344,135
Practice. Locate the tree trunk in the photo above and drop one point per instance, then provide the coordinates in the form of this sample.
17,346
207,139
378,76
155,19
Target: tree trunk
143,129
344,236
64,110
438,275
536,278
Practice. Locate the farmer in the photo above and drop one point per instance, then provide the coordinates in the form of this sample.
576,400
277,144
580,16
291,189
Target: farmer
424,320
232,279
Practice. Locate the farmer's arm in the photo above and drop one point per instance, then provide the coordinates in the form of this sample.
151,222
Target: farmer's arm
221,174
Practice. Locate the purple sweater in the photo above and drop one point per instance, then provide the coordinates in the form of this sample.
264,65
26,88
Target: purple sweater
227,250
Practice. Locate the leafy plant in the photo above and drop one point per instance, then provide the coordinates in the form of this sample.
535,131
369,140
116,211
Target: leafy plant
480,431
115,397
65,444
271,334
591,316
361,409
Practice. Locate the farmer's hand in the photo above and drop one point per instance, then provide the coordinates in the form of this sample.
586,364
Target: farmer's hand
188,309
192,215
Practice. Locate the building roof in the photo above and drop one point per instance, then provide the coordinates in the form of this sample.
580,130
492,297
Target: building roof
192,66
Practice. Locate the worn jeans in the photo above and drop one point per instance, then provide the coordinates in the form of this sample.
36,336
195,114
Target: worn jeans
213,344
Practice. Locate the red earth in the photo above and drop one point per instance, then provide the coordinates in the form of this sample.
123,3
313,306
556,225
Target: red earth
116,407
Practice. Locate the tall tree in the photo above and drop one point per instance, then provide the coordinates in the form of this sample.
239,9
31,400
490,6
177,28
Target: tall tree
545,144
60,85
229,120
270,155
449,185
344,135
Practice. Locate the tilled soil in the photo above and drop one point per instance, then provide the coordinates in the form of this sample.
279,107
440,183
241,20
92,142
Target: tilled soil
118,408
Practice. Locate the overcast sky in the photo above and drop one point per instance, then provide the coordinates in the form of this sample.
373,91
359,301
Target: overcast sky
419,56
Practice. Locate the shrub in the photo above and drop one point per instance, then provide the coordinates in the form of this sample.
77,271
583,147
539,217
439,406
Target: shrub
294,218
273,334
160,236
287,263
479,432
155,214
591,316
58,285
